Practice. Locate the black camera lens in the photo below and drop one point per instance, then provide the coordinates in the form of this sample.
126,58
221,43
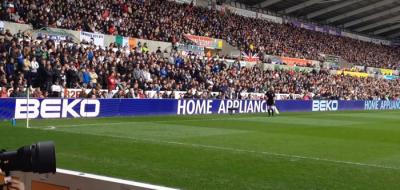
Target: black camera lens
36,158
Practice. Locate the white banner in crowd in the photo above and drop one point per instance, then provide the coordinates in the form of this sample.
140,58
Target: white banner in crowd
96,38
270,18
366,39
252,14
242,12
186,1
1,26
55,37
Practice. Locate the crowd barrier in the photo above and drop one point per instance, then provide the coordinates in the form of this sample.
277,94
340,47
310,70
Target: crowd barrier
75,108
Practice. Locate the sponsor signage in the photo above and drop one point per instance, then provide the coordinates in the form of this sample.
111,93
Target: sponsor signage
56,108
325,105
76,93
190,107
78,108
382,105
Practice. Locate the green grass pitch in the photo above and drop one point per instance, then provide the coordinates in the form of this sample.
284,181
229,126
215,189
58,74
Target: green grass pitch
330,150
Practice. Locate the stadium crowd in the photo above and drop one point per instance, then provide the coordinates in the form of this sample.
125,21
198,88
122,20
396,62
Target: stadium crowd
50,69
167,21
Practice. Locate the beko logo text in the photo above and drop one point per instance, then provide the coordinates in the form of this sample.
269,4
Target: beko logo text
55,108
325,105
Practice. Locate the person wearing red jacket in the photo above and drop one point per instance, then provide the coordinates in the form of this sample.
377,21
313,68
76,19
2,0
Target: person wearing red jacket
112,82
112,30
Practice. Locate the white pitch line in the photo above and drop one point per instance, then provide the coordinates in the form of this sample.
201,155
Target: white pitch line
127,122
290,156
110,179
285,155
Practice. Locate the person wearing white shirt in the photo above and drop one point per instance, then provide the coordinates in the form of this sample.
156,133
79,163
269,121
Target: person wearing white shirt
110,94
34,71
56,89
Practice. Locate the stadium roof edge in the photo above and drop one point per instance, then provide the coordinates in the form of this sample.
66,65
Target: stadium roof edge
377,17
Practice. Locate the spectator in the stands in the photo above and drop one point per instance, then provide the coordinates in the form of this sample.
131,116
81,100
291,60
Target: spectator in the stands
169,21
18,92
93,78
48,78
3,92
85,77
56,89
112,81
119,70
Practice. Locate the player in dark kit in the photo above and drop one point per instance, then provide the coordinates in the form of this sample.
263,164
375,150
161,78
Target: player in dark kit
270,101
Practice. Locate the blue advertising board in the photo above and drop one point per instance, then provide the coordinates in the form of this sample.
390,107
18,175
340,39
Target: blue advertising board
75,108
